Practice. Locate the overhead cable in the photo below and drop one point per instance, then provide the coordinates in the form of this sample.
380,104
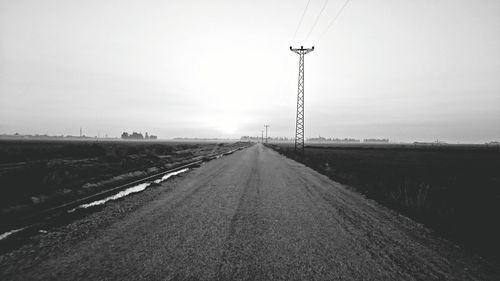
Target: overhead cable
301,20
333,20
317,19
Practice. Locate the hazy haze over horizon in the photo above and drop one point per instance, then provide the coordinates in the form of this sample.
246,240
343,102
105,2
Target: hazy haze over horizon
404,70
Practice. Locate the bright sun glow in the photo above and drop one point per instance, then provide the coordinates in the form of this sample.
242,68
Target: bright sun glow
227,125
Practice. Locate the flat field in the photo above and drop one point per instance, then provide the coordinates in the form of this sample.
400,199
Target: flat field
454,190
37,174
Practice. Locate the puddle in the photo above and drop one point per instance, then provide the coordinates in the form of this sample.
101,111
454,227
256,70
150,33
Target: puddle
230,152
123,193
9,233
130,190
167,176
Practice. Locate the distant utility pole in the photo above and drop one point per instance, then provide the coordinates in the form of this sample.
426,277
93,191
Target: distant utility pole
266,131
299,121
262,137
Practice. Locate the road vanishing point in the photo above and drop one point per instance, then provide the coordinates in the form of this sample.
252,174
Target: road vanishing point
251,215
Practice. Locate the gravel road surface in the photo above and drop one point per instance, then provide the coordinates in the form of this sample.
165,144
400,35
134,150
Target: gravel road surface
252,215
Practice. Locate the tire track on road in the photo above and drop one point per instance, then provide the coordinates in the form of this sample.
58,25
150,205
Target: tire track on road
244,239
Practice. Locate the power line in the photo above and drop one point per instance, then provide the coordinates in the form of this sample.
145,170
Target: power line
301,20
333,20
317,19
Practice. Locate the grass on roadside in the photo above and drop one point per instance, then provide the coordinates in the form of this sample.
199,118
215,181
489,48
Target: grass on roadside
454,191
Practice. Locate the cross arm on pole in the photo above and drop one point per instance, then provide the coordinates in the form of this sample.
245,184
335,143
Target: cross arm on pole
301,50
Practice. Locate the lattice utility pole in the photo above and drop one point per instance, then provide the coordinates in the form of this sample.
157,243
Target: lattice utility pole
299,121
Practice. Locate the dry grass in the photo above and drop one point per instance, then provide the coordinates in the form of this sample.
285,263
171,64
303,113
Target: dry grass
40,174
454,190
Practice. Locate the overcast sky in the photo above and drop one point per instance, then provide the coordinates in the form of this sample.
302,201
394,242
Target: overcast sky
400,69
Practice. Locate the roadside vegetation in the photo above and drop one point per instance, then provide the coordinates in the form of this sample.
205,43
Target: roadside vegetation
453,190
36,175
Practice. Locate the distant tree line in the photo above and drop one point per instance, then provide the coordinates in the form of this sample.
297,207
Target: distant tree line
138,136
257,138
316,139
336,140
376,140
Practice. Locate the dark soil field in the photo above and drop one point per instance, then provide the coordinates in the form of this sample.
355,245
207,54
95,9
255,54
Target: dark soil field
454,190
36,174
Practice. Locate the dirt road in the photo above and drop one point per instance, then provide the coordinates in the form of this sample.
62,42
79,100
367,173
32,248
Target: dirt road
251,215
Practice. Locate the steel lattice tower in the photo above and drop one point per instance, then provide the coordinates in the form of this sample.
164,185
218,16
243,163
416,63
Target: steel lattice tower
299,121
